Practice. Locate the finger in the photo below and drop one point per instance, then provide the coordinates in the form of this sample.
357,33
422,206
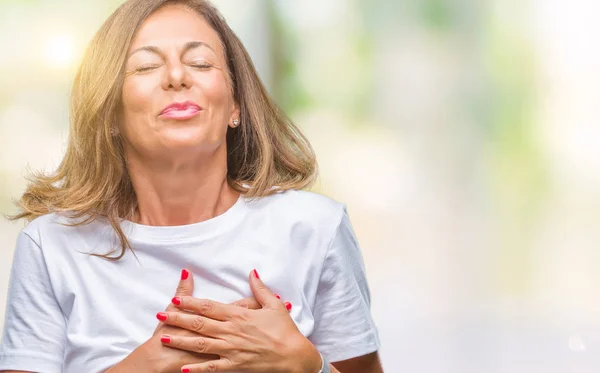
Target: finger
184,288
207,307
250,303
221,365
287,305
201,345
186,284
198,324
262,293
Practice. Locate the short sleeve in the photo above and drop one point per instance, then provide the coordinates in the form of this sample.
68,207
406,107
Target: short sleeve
343,328
34,328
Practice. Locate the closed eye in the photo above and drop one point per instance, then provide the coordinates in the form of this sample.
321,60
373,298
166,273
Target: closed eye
152,67
146,68
201,66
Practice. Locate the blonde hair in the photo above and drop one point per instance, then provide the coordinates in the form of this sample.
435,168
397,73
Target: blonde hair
92,181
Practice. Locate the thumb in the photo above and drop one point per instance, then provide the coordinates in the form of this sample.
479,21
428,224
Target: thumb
184,288
262,293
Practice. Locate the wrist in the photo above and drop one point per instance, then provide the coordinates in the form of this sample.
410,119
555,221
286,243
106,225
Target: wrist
311,359
142,359
148,356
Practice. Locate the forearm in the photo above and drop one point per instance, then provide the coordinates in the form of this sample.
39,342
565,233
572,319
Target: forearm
369,363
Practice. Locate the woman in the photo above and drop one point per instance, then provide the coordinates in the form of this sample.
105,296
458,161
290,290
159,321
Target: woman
178,158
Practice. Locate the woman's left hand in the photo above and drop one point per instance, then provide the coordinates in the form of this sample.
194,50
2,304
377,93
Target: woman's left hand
247,340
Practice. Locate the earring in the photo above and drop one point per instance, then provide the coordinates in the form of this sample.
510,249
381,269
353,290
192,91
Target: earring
112,131
236,122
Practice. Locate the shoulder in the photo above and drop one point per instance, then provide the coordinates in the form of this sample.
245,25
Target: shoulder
301,202
40,226
61,229
300,206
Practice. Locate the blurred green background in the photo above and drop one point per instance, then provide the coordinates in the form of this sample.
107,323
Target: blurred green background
463,135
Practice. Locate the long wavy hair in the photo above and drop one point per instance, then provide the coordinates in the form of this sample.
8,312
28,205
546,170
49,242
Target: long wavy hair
92,180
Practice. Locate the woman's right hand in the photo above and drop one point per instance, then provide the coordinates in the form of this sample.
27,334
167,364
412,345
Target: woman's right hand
153,357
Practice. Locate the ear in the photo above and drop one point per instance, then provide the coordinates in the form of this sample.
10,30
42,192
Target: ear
235,114
115,127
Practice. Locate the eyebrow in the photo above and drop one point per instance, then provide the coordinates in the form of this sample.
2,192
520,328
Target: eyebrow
189,45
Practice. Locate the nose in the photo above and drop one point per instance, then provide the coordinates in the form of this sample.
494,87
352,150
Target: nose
177,77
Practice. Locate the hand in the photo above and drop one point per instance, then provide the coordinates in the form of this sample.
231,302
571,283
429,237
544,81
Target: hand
263,340
167,360
153,357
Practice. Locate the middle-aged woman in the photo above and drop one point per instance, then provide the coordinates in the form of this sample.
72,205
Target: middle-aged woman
178,162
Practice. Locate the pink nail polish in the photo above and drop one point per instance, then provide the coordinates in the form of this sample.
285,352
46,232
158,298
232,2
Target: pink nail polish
256,274
165,339
184,274
176,301
288,305
277,296
185,370
161,316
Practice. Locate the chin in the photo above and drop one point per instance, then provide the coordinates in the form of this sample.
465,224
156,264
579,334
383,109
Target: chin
186,145
187,137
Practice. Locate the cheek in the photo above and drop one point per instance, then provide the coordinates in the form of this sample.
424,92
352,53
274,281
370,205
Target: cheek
136,108
215,88
136,97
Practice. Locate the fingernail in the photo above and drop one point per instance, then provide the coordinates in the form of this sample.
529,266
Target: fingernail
256,274
185,370
184,274
176,301
161,316
165,339
277,296
288,305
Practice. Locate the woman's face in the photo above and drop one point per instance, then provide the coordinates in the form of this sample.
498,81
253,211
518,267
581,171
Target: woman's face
175,58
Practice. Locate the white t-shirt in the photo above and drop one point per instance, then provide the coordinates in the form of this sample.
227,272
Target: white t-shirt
70,312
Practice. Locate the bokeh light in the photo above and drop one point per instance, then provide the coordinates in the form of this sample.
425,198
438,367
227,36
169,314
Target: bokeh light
60,50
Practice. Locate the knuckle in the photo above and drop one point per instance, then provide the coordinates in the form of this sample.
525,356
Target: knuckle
198,324
229,364
206,306
182,289
243,316
201,345
211,367
231,329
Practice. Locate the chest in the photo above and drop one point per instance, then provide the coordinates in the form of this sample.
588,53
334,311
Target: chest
110,307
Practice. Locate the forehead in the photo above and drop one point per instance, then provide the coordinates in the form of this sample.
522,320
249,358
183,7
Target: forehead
174,25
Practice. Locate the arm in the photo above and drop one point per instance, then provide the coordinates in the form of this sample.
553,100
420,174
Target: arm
34,329
344,330
138,361
369,363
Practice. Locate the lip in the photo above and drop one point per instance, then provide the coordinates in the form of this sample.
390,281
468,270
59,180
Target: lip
181,110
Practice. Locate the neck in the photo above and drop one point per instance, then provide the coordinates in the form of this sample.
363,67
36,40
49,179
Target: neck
180,193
